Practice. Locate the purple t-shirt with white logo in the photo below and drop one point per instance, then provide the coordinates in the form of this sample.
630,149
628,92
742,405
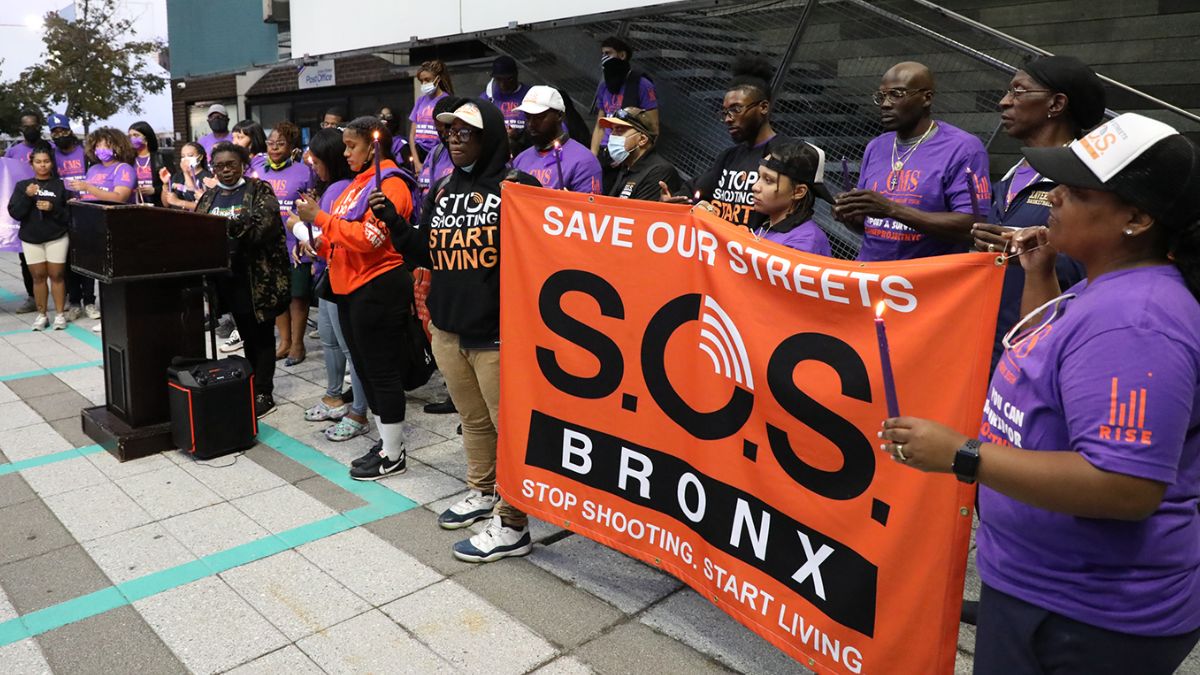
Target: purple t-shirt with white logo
578,170
109,178
507,103
71,165
288,183
1115,377
608,103
933,179
424,132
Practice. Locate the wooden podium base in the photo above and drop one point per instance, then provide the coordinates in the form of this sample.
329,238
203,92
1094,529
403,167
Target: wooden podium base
121,440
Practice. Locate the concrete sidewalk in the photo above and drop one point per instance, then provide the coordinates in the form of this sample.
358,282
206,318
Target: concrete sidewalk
273,560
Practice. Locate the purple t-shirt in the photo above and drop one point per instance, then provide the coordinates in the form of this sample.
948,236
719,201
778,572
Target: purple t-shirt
328,197
110,177
934,179
807,237
71,165
257,166
507,103
578,170
398,145
144,170
424,132
437,165
20,152
288,183
208,141
1115,378
608,103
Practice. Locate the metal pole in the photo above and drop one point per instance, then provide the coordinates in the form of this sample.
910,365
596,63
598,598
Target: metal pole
793,45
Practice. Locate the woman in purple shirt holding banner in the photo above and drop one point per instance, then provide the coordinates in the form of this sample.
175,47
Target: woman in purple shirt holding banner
790,179
1089,451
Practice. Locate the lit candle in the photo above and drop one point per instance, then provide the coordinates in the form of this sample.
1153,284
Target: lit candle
378,155
846,186
696,197
974,196
558,163
885,361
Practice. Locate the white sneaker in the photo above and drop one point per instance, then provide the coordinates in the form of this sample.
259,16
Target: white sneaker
496,542
233,344
91,311
96,328
60,321
476,506
39,323
73,312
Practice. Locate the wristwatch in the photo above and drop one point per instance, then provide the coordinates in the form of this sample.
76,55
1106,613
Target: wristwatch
966,461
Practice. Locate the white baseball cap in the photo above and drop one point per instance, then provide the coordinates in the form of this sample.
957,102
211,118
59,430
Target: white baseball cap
467,112
216,109
541,98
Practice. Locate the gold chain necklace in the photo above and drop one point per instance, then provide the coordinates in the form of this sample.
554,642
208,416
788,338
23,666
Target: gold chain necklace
899,161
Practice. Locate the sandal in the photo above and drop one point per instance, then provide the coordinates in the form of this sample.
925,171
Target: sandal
290,360
322,412
346,429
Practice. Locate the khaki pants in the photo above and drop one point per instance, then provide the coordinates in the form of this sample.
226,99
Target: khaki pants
473,379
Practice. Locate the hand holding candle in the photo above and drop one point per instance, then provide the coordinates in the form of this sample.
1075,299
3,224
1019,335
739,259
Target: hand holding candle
378,155
885,360
558,163
846,186
974,196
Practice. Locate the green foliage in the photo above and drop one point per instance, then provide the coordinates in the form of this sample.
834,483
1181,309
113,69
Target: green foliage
91,68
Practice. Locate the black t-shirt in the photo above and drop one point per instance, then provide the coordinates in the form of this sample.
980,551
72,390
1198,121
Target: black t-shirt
234,289
641,181
729,182
179,185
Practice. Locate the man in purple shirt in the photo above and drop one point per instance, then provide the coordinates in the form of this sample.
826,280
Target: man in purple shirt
68,154
555,159
916,180
506,92
218,121
31,133
622,86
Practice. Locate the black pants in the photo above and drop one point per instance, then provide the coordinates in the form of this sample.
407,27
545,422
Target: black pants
374,319
26,276
81,290
1015,638
258,344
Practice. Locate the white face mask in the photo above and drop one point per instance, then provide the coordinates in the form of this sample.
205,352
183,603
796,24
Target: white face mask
187,162
428,88
241,182
616,149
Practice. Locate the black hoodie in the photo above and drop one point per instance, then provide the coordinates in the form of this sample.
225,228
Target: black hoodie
37,226
460,226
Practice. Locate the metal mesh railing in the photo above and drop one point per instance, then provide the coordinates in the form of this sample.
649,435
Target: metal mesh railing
845,47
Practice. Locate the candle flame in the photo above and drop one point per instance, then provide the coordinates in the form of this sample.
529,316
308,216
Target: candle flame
557,145
879,307
376,134
697,195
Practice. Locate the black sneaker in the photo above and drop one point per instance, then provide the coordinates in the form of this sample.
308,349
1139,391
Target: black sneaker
264,404
441,408
369,454
379,466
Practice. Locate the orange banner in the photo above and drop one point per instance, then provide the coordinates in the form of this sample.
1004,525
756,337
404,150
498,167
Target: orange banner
707,402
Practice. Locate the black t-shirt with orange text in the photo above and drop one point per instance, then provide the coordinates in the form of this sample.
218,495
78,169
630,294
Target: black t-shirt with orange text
728,184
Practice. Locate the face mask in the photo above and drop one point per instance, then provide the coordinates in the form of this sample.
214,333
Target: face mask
31,134
187,162
241,182
615,72
137,142
65,143
218,125
104,154
428,88
616,149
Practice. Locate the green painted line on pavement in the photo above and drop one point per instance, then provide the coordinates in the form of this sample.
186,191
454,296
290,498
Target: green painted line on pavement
63,455
381,503
49,371
86,336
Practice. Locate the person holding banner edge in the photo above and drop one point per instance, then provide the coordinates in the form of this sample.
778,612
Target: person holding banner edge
1087,544
790,179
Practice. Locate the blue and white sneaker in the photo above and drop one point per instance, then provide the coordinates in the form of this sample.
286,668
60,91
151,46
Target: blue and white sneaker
476,506
379,466
495,542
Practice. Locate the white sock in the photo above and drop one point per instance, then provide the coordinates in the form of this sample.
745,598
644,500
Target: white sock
392,436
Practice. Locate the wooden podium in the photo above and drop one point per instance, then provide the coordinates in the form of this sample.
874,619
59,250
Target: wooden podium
150,263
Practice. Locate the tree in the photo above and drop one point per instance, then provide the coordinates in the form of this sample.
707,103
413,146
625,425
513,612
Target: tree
91,68
15,98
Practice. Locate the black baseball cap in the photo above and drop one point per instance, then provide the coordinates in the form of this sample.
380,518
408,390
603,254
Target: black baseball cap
504,66
802,162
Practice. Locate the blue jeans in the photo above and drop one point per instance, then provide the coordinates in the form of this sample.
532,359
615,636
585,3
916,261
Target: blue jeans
337,357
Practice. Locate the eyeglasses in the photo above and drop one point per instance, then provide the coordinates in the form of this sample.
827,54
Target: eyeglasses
737,109
232,165
1018,334
894,95
1018,92
277,145
462,134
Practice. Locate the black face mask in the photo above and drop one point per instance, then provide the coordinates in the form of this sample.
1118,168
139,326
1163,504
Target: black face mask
65,143
219,125
615,72
31,134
